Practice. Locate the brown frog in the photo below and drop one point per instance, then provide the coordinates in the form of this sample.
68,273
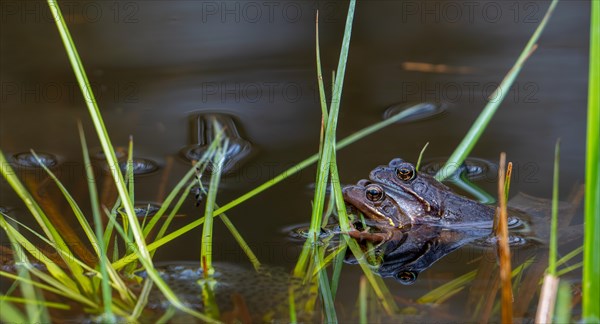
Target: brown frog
380,210
397,196
428,199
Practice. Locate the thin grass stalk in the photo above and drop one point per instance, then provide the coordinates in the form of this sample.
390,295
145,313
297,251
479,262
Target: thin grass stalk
330,129
269,183
466,145
547,299
206,244
241,242
169,219
52,267
31,282
381,290
435,295
142,301
35,312
554,220
591,257
568,269
362,300
99,242
337,268
324,287
322,96
563,304
32,302
184,180
96,117
503,248
10,313
160,283
292,305
421,156
551,281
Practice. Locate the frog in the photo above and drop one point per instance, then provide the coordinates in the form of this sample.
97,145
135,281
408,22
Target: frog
380,210
427,200
388,207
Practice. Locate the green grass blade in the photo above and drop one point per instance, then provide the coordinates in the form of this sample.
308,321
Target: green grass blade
206,244
330,129
322,97
10,313
444,291
98,242
326,295
418,165
142,300
33,207
54,269
34,302
362,301
464,148
96,117
562,311
463,182
554,221
186,178
35,312
33,282
338,263
381,291
591,257
240,240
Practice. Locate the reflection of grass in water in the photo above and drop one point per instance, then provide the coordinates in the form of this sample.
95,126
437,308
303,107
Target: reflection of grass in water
312,264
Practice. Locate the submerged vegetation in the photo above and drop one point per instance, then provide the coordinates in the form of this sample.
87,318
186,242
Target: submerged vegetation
123,244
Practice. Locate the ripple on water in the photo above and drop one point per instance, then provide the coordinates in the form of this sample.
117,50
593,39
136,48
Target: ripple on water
475,168
513,240
419,111
300,231
27,160
140,166
98,153
143,209
204,130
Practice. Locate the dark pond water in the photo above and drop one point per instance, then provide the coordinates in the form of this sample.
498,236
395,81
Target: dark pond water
154,65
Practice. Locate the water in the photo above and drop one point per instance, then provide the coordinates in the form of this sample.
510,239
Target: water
154,65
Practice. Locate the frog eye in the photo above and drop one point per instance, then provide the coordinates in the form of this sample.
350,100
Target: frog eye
406,277
405,171
374,193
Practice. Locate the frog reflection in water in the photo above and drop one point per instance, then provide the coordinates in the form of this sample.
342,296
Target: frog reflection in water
417,219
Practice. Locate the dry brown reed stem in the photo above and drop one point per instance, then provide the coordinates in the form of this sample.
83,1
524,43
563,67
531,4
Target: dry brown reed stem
503,248
547,299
